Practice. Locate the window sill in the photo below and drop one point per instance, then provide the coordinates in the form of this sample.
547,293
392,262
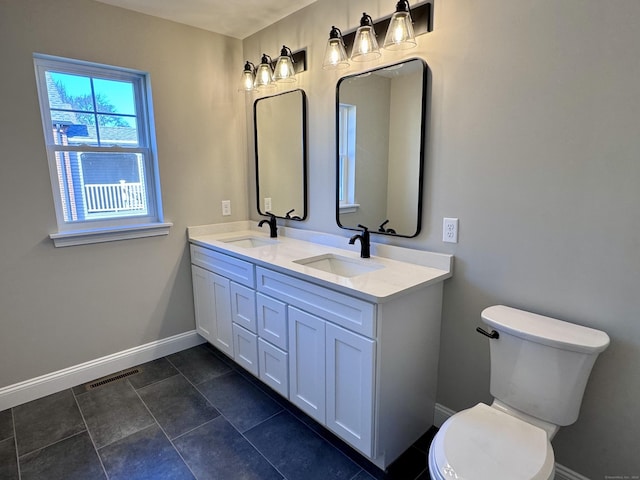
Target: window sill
349,207
99,235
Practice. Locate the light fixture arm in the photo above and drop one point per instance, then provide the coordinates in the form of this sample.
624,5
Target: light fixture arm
366,20
267,60
336,33
249,67
403,6
286,52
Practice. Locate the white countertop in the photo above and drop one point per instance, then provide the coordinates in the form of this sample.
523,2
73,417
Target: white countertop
403,270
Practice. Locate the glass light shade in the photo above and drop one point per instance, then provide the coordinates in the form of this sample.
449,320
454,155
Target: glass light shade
284,71
365,45
335,55
248,78
400,34
264,74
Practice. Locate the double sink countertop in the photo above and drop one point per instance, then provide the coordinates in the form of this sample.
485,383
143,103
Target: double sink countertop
328,260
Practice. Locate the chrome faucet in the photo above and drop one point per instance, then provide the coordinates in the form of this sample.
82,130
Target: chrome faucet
273,226
365,245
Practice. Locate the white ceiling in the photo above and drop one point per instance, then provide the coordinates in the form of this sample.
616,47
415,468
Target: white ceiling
235,18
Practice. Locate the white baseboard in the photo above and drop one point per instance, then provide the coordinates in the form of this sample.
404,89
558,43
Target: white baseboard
44,385
441,414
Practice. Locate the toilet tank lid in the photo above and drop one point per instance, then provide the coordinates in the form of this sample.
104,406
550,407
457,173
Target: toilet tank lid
545,330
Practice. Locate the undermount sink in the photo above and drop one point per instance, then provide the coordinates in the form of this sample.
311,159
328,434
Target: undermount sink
250,242
339,265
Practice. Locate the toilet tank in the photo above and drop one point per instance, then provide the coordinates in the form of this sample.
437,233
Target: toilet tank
540,365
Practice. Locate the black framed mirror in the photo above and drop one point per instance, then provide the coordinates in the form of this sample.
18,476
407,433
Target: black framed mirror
280,129
380,128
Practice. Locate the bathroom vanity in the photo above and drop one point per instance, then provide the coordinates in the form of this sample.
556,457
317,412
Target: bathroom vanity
352,342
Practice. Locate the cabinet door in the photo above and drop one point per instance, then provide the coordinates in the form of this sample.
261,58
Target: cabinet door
273,367
222,332
272,321
212,301
245,349
203,302
307,363
243,306
350,386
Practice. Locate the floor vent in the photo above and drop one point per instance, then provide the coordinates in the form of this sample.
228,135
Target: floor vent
113,378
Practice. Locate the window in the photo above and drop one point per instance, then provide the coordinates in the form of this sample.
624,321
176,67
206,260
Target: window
99,139
347,158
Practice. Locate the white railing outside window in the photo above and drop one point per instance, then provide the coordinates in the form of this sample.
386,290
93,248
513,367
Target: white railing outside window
114,197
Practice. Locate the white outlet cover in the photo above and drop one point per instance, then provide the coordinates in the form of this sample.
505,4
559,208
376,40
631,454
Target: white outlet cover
450,230
226,207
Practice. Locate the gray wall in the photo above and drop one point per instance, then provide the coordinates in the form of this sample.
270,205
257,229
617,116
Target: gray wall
534,145
63,306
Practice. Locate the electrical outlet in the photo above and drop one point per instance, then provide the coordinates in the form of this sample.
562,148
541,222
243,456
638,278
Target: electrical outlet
226,208
450,230
267,204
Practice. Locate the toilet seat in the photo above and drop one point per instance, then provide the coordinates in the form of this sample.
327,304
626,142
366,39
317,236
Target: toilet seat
483,443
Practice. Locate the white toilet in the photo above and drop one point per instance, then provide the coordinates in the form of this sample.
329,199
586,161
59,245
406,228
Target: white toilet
539,369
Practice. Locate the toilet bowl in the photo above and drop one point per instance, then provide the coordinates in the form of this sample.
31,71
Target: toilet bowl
484,443
539,370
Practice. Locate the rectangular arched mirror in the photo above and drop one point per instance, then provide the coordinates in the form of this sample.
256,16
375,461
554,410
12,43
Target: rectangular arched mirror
380,120
281,154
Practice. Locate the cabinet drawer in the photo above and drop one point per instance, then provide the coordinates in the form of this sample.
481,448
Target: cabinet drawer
245,348
243,306
347,311
234,269
272,321
274,367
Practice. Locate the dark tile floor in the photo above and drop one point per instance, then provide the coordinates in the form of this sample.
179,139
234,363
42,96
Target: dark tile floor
191,415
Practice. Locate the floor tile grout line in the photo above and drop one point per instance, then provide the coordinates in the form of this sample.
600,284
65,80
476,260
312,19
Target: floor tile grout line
165,433
49,444
230,372
86,425
233,370
259,452
15,442
314,433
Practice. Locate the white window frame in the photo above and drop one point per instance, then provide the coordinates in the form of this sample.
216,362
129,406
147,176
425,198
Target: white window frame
99,228
347,158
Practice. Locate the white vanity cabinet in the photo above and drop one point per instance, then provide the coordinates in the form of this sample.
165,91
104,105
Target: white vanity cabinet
365,369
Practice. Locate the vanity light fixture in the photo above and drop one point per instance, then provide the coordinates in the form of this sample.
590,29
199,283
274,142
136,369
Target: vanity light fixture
248,77
264,73
401,30
335,55
263,77
365,45
284,71
400,34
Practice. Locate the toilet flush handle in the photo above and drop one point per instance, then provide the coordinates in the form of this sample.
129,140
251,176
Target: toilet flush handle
493,333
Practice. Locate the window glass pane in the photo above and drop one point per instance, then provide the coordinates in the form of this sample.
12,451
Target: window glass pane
114,96
69,92
75,130
101,185
118,130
